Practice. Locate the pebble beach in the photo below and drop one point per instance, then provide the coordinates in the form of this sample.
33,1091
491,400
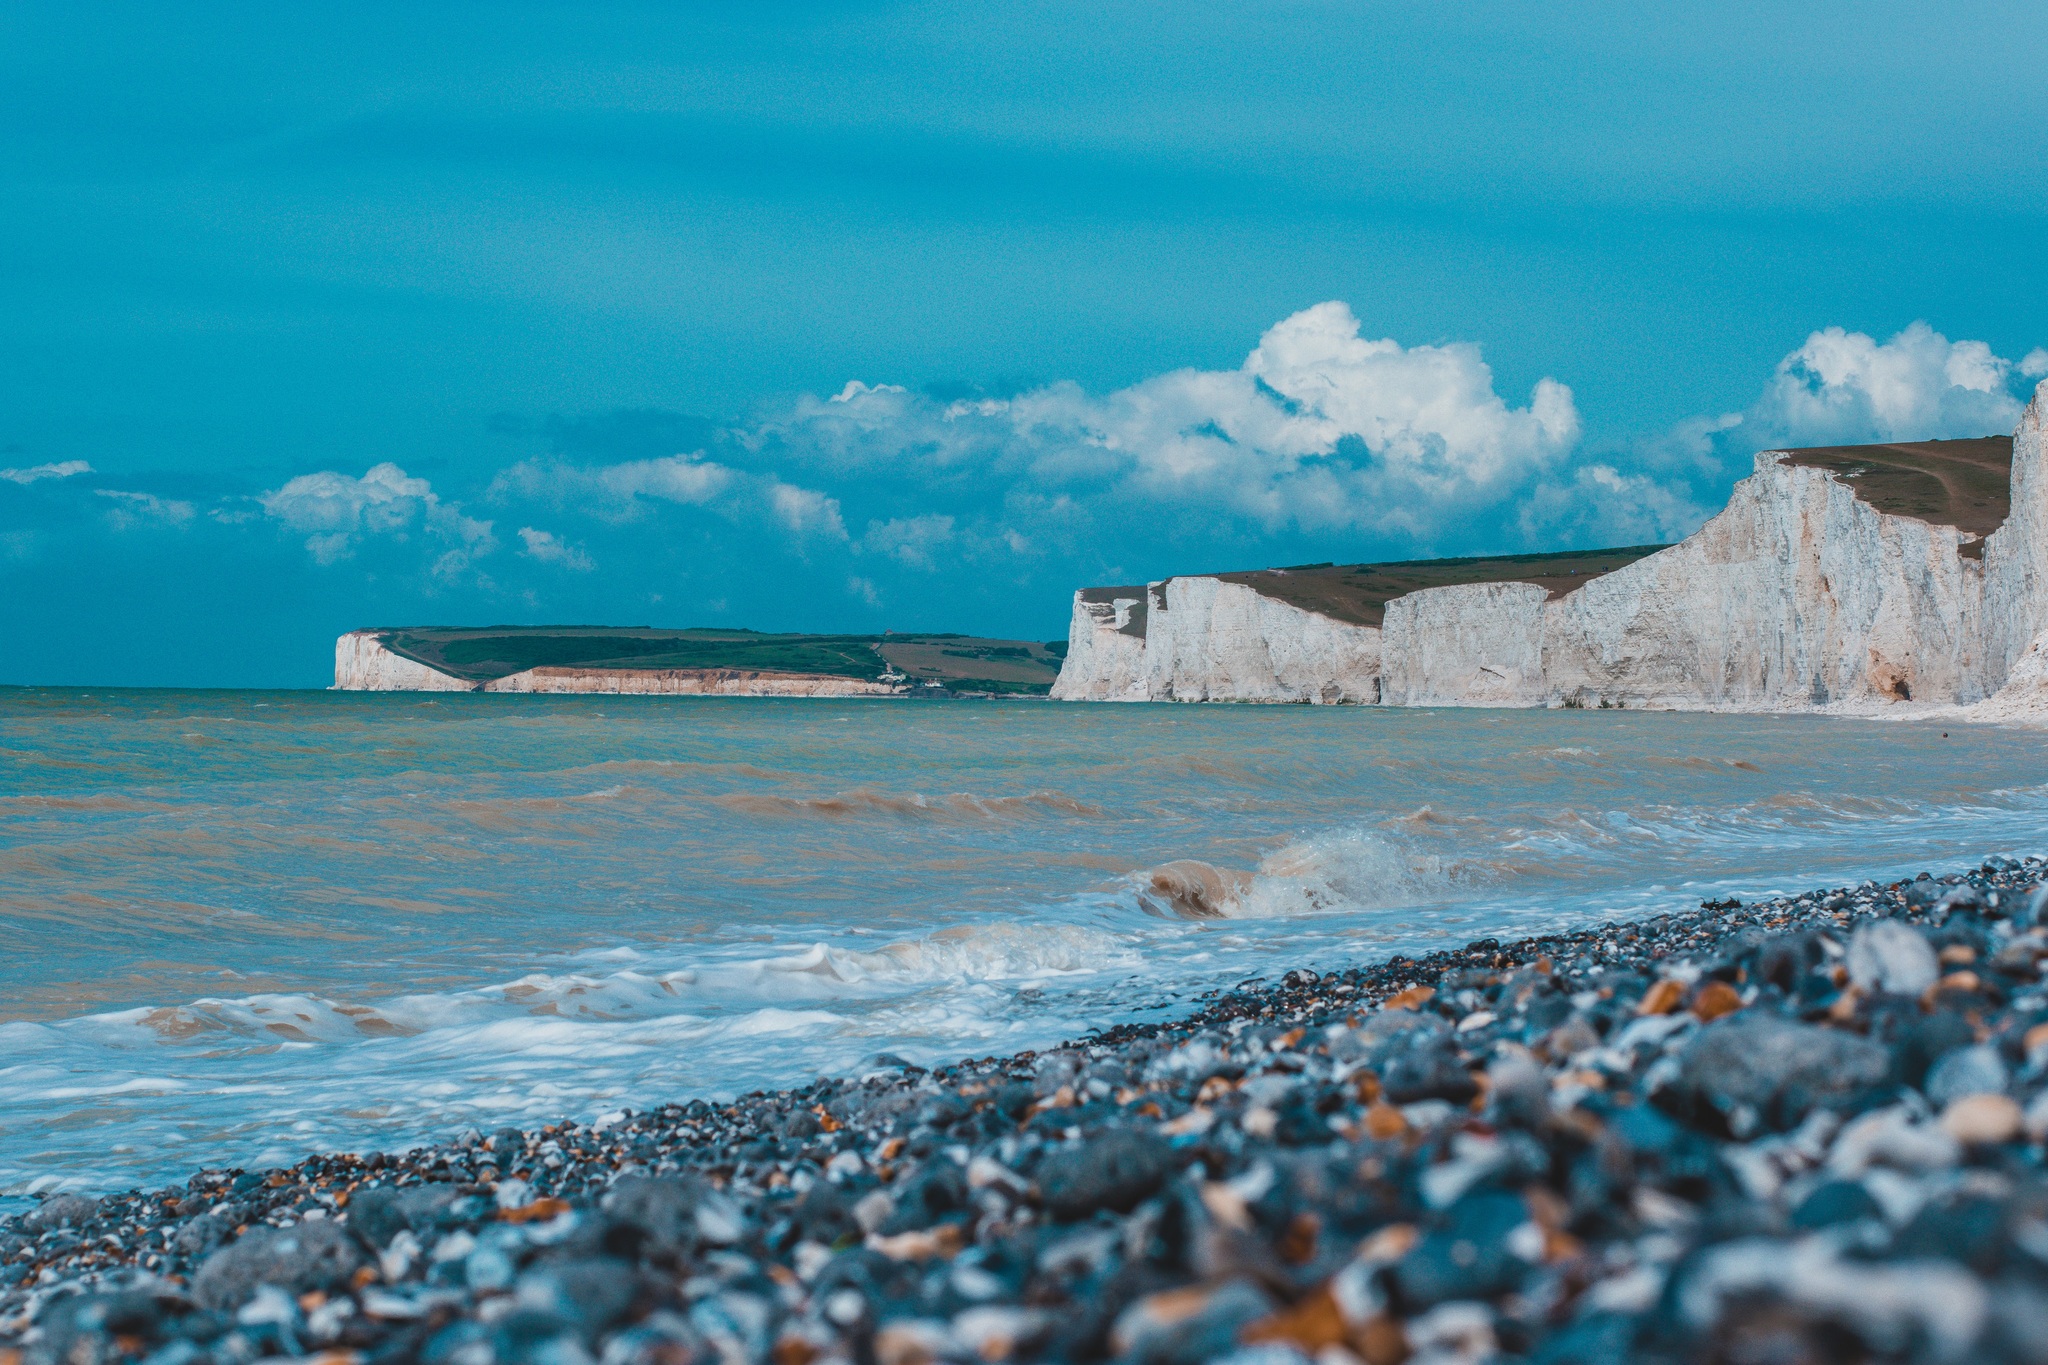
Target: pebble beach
1803,1129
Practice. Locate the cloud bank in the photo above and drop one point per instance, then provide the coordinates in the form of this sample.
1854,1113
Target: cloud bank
884,505
1320,429
340,512
36,473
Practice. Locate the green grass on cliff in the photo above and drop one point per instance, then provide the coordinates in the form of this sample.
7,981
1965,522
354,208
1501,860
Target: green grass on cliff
957,662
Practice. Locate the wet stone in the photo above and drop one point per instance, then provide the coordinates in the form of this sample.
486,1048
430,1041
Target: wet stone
1976,1070
1837,1201
58,1211
1750,1070
1431,1071
306,1258
1468,1257
1113,1171
1892,957
381,1214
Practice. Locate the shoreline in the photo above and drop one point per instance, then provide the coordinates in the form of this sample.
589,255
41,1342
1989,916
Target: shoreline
1809,1123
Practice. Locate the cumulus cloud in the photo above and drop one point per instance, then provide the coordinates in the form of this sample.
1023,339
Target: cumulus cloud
635,490
336,512
617,491
1599,504
63,469
2034,365
1843,387
910,540
549,548
1430,411
133,509
806,511
1321,428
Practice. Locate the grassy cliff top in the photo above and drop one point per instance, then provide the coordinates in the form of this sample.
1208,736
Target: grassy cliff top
1359,593
957,662
1966,484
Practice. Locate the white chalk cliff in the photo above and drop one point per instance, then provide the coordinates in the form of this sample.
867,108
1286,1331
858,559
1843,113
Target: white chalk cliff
1797,595
1202,639
363,664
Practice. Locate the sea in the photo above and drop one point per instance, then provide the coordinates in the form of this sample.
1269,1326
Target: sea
240,927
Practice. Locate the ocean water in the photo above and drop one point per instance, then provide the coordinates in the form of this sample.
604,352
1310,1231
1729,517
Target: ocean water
239,927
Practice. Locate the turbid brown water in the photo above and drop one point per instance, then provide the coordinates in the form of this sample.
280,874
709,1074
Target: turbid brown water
239,927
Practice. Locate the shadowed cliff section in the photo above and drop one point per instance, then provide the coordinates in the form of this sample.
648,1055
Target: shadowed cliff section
1358,593
1134,594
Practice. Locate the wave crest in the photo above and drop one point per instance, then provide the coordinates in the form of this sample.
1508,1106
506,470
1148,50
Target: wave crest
1339,871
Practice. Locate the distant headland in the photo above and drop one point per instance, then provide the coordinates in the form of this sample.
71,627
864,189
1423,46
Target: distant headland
698,662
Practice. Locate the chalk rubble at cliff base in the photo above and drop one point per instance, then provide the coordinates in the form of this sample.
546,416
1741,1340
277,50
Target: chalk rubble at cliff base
1808,1129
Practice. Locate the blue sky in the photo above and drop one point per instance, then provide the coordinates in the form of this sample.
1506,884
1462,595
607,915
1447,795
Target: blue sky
863,315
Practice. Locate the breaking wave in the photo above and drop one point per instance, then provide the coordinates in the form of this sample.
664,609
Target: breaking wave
1344,870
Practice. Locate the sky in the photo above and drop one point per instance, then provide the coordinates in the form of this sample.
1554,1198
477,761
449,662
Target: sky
862,316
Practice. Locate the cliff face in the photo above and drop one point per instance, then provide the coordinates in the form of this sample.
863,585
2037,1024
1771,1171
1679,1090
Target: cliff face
2016,554
1207,640
363,664
1105,648
1479,644
1798,594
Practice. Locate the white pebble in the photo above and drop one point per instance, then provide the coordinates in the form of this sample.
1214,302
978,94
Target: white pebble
1893,957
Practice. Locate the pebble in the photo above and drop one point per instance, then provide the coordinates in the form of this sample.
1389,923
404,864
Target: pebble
1982,1118
1892,957
1806,1128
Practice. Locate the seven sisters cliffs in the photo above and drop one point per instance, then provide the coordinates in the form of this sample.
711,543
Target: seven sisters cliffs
1848,578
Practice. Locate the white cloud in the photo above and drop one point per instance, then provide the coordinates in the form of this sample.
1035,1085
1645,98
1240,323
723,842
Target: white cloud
337,511
131,509
452,565
1429,409
1599,504
330,548
912,540
384,499
855,389
1846,387
2034,364
63,469
1319,429
1323,443
548,548
806,511
619,491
